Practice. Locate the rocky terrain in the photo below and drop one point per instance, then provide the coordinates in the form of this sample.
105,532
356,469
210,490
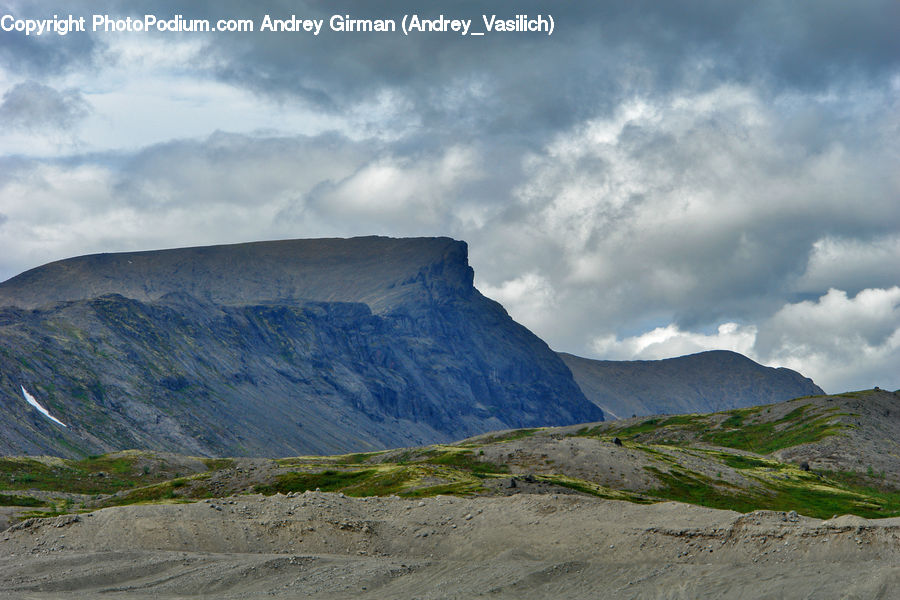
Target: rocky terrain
704,382
268,349
797,499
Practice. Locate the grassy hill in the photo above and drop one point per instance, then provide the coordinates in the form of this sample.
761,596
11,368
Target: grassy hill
819,456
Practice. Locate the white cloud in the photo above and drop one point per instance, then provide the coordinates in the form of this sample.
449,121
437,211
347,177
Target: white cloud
51,211
839,341
851,263
403,192
528,299
669,341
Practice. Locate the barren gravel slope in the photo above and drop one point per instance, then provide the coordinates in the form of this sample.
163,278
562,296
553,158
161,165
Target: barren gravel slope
324,545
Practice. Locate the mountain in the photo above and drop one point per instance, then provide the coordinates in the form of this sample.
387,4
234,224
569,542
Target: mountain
704,382
268,348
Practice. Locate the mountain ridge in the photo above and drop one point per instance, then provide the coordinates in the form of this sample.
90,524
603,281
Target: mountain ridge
708,381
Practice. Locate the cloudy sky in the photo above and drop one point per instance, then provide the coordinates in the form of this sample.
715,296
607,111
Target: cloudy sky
653,179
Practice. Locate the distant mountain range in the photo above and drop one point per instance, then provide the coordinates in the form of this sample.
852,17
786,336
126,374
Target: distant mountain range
300,346
699,383
270,348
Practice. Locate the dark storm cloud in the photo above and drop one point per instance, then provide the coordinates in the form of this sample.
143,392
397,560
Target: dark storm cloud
38,56
523,86
526,85
32,106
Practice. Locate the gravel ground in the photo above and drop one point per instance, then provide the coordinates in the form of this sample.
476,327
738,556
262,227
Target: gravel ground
524,546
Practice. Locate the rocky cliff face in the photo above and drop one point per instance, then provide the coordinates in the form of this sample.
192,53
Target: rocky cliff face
698,383
270,348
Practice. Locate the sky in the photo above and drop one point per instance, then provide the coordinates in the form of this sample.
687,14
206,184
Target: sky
650,179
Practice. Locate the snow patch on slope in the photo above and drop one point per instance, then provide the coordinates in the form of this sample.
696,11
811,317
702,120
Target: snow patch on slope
30,399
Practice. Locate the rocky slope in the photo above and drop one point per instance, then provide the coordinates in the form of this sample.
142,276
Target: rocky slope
704,382
269,348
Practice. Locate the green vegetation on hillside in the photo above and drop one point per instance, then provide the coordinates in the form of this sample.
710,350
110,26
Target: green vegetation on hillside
516,434
14,500
467,461
741,429
806,493
449,470
104,474
795,428
82,477
722,460
415,472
